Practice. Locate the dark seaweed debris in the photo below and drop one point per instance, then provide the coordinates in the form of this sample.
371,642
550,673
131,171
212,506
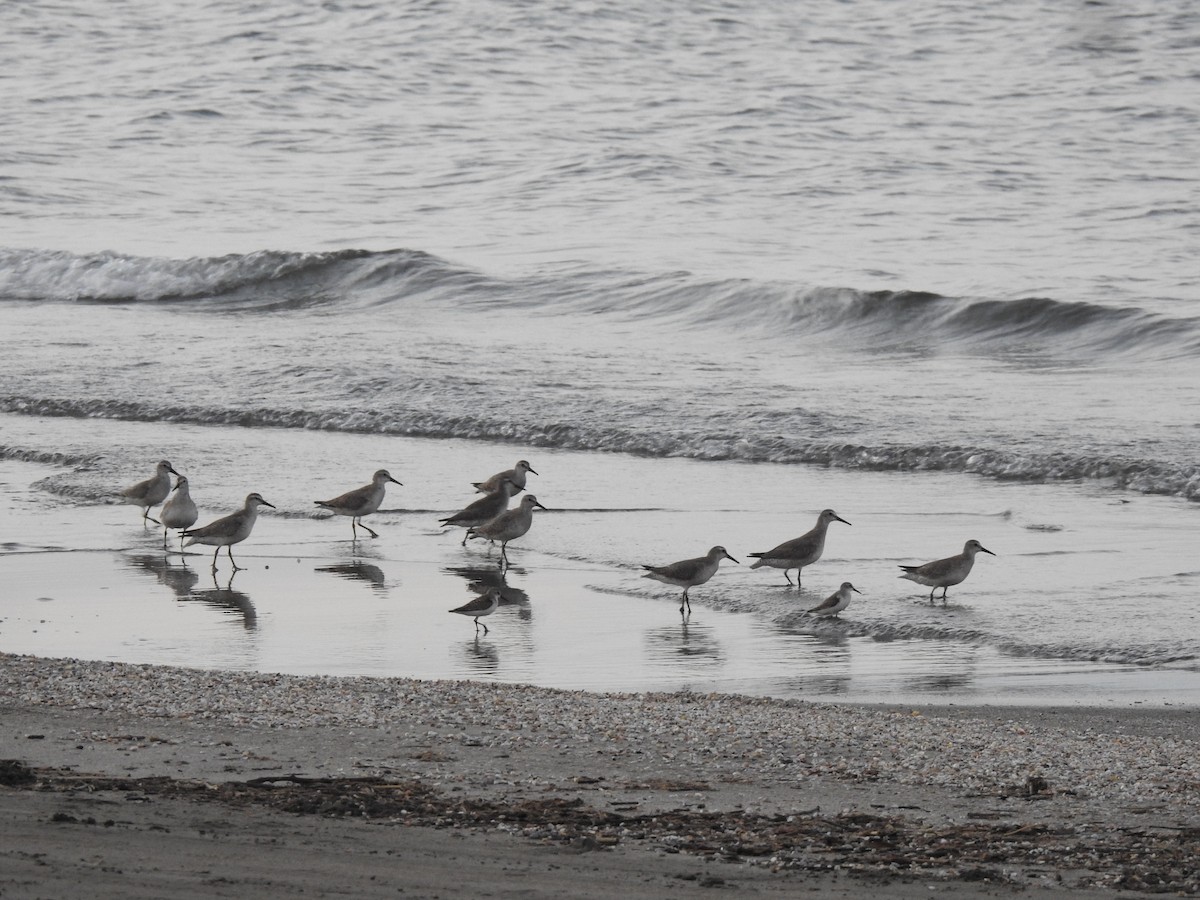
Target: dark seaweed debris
1151,859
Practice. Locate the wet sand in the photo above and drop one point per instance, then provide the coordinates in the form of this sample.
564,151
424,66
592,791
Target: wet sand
145,781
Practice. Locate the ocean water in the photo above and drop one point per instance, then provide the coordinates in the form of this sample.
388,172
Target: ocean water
710,268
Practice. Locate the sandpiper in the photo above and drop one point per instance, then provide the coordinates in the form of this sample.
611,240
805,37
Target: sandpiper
835,602
484,509
688,573
516,475
483,605
800,552
508,526
942,573
228,530
360,502
150,492
179,511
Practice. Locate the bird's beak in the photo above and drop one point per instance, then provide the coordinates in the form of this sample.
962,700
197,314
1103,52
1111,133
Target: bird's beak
394,481
539,506
533,470
840,519
727,556
987,551
856,590
272,505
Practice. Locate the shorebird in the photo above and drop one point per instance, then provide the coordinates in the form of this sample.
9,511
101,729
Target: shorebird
360,502
835,602
483,605
942,573
508,526
516,475
150,492
688,573
228,530
179,511
483,510
803,551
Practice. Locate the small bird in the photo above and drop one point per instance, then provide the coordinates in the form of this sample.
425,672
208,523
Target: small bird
179,511
835,602
150,492
483,510
516,475
688,573
942,573
228,530
803,551
508,526
360,502
483,605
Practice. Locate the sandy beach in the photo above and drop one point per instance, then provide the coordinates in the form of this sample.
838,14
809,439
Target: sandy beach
148,781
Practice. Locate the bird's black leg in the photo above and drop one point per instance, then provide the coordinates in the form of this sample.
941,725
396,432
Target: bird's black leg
367,530
789,580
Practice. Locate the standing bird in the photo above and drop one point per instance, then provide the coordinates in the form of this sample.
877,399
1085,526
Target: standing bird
803,551
360,502
688,573
508,526
835,602
483,605
150,492
516,475
179,511
942,573
483,510
228,530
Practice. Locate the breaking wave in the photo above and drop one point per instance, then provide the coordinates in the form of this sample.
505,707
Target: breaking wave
281,281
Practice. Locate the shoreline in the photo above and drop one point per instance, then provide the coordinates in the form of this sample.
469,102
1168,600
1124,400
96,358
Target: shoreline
719,789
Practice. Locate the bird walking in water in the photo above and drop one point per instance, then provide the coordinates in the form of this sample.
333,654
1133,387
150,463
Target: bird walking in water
942,573
228,530
179,511
150,492
508,526
835,602
687,573
516,475
482,510
360,502
799,552
483,605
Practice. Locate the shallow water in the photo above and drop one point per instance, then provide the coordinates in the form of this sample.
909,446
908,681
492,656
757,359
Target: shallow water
88,580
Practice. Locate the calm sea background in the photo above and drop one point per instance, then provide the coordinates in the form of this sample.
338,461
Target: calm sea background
710,267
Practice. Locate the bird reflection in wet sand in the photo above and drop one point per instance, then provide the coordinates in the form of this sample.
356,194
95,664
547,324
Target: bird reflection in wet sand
479,580
228,601
179,578
686,645
482,657
359,571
